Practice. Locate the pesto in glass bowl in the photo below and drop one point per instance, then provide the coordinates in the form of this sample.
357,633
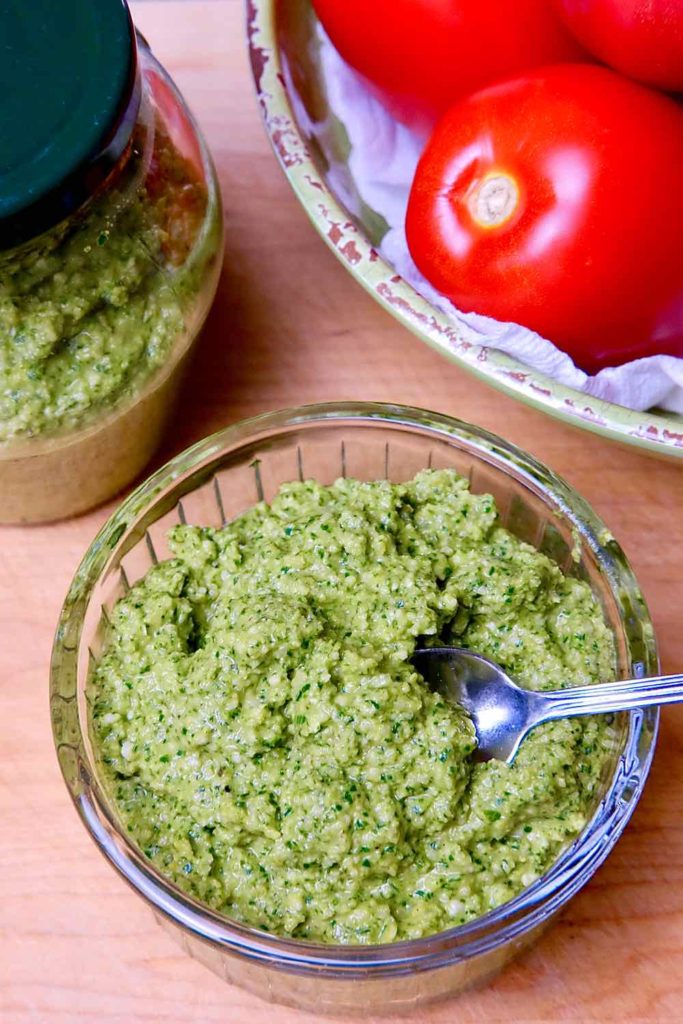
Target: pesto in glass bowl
204,512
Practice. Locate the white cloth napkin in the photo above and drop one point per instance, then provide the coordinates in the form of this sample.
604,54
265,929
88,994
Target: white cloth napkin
382,163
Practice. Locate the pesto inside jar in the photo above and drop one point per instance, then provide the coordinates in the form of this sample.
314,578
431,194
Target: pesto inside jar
92,308
269,746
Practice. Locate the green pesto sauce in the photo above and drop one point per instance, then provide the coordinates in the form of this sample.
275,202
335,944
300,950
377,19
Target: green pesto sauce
271,749
90,310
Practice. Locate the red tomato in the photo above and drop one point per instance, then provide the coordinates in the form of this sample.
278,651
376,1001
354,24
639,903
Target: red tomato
422,55
641,38
554,200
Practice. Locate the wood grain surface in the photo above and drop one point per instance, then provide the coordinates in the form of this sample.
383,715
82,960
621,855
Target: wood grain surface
289,325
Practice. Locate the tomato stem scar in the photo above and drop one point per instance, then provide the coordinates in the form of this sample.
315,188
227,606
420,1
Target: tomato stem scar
494,201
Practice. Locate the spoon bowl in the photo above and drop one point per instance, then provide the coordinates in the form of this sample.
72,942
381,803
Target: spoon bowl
504,713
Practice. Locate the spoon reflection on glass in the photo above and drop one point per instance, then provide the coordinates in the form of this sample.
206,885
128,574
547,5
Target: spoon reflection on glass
503,713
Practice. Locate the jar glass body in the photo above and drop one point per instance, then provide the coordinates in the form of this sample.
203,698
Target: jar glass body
99,314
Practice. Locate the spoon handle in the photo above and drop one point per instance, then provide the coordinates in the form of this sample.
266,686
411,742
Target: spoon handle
618,696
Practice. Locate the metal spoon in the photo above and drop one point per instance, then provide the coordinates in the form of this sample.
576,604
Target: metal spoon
503,713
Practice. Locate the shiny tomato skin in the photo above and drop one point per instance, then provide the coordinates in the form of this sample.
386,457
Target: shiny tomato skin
586,250
422,55
641,38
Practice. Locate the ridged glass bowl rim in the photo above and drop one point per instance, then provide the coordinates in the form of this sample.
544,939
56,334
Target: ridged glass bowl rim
505,924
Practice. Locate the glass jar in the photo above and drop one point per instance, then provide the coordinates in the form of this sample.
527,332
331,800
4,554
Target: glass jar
109,260
217,480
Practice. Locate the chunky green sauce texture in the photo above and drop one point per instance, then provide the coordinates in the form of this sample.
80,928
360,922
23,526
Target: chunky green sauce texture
88,313
271,749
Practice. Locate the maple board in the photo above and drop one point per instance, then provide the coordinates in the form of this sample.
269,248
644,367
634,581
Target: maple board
290,325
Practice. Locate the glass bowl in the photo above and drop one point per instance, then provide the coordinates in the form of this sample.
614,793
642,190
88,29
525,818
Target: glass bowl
218,479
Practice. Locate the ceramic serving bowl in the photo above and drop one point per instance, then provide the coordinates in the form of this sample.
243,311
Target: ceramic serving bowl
284,52
218,479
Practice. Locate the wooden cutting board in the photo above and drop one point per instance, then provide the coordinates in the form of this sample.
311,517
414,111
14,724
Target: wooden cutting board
289,325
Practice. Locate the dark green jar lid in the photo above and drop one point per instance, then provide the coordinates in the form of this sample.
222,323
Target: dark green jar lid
68,73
